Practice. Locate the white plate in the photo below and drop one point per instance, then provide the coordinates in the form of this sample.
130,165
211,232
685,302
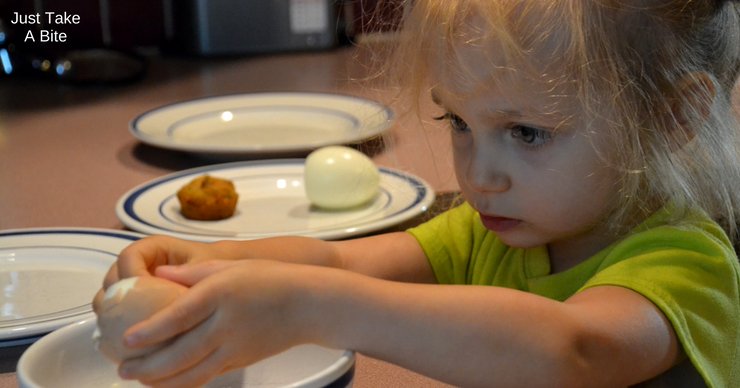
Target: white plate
262,123
67,358
49,277
272,202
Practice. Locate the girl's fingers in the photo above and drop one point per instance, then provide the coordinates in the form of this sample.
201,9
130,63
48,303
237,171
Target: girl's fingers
111,276
197,375
143,256
98,301
183,314
136,258
183,353
189,275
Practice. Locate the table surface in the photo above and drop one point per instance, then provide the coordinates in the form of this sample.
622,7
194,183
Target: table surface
66,154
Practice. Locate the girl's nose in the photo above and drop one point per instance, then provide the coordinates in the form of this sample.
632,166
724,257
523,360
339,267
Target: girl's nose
486,170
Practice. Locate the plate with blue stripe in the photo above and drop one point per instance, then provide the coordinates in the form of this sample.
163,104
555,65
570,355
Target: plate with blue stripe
272,202
50,276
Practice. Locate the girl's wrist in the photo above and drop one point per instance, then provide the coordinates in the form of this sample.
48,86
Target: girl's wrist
322,306
226,249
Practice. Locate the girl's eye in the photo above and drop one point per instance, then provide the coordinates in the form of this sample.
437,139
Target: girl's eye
530,136
457,123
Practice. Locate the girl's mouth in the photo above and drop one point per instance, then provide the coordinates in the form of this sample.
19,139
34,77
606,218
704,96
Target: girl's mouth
499,224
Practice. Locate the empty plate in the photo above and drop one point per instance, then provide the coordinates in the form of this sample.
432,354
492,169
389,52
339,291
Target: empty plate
50,276
262,123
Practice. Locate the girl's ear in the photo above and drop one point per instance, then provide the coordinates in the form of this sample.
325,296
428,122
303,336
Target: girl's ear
692,104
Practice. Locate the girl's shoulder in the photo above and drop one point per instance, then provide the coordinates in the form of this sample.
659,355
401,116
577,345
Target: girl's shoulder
688,268
680,229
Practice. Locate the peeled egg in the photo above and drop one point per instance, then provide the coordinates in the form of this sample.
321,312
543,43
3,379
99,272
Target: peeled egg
125,303
338,177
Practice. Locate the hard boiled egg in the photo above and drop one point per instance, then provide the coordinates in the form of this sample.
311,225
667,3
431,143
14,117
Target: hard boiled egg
338,177
125,303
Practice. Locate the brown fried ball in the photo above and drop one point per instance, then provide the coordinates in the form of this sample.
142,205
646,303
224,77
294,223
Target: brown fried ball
207,198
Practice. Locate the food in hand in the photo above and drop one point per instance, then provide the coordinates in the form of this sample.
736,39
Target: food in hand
125,303
339,177
208,198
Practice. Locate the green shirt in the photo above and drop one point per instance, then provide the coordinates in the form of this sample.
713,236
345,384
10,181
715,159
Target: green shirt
689,270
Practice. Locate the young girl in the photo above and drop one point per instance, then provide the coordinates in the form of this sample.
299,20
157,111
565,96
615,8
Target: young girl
598,156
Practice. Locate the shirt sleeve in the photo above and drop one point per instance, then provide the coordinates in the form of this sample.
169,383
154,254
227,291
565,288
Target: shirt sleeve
447,241
691,275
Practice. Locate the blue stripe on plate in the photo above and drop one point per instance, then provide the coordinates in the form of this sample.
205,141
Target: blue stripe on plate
343,380
70,231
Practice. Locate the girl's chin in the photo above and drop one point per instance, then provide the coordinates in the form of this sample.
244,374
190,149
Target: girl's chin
520,239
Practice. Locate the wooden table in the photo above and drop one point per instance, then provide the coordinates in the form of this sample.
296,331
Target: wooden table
66,155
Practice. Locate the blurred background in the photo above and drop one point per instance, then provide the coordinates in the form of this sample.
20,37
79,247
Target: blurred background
112,38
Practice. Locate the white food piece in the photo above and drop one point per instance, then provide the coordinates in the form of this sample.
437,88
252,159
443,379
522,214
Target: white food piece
126,303
338,177
120,288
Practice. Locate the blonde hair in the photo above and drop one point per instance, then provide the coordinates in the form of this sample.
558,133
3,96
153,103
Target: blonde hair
666,69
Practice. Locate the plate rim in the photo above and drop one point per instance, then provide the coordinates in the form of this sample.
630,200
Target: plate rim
30,332
425,196
236,150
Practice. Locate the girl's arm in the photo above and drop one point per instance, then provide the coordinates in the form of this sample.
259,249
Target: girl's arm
468,336
484,336
392,256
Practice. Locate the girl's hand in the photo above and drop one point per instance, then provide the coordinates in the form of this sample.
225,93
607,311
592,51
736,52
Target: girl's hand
142,257
235,313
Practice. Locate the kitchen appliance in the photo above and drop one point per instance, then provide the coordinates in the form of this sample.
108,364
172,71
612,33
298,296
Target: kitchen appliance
230,27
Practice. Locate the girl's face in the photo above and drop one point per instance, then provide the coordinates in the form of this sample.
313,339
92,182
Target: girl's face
525,160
